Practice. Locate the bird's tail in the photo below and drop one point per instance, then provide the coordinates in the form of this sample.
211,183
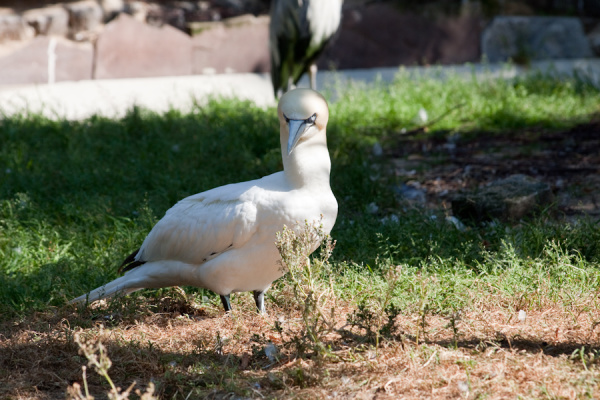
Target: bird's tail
120,285
149,275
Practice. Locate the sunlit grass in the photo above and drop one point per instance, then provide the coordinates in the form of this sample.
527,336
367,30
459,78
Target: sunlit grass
476,104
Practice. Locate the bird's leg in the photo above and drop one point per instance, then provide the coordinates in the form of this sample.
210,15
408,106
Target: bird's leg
259,298
226,303
312,74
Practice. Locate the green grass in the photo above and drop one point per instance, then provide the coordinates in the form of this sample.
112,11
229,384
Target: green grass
557,276
479,104
76,197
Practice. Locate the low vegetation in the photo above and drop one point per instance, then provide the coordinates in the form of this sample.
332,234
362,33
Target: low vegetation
408,305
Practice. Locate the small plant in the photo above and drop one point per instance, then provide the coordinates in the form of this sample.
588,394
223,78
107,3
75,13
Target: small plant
376,315
311,292
98,358
454,317
424,306
588,358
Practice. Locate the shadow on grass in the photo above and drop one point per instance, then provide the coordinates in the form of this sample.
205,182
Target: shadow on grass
517,344
64,166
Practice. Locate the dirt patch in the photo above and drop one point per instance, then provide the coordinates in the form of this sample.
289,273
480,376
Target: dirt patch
568,161
491,352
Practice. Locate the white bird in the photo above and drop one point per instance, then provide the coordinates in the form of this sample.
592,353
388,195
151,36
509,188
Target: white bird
224,239
299,31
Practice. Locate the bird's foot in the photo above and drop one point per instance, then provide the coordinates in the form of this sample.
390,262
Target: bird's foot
259,298
226,303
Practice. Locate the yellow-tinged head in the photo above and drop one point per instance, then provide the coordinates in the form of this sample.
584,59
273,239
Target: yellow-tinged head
303,113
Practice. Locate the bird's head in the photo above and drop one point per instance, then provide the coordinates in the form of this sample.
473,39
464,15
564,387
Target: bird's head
303,113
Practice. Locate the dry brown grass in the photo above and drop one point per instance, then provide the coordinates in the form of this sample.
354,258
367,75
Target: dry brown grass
208,354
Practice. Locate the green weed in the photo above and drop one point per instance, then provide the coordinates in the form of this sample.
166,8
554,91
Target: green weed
311,283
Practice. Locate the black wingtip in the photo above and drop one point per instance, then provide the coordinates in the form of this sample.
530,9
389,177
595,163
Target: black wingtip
130,262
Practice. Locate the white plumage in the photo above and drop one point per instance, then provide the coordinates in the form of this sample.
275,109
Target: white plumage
224,239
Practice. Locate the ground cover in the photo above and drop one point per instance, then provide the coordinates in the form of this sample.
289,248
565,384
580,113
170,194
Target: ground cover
421,309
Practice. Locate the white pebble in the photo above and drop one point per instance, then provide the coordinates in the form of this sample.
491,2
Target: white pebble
456,222
271,352
372,208
421,116
377,149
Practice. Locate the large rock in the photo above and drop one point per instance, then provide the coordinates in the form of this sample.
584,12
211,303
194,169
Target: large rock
52,20
111,8
84,16
525,39
381,35
14,27
594,38
127,48
47,59
507,199
239,44
140,10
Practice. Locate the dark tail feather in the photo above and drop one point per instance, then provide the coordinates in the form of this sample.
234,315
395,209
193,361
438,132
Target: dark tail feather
130,262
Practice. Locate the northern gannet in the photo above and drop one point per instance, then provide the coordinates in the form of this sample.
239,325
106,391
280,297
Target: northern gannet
298,33
224,239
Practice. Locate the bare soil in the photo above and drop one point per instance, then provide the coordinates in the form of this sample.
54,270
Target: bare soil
568,161
494,355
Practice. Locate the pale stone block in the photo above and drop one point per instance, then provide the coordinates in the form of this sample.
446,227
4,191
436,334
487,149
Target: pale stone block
238,44
127,48
46,59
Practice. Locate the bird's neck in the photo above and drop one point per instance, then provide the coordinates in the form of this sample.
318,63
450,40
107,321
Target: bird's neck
308,166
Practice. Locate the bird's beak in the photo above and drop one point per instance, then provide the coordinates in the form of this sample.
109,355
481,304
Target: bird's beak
296,128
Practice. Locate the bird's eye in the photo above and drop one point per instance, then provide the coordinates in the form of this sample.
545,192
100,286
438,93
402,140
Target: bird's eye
312,119
287,120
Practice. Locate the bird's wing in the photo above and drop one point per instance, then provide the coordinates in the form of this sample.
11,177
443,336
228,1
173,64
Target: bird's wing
323,18
289,37
200,227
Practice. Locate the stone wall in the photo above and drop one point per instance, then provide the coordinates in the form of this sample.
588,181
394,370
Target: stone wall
525,39
107,39
116,39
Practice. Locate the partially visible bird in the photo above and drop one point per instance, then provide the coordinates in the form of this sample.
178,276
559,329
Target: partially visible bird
224,239
299,31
